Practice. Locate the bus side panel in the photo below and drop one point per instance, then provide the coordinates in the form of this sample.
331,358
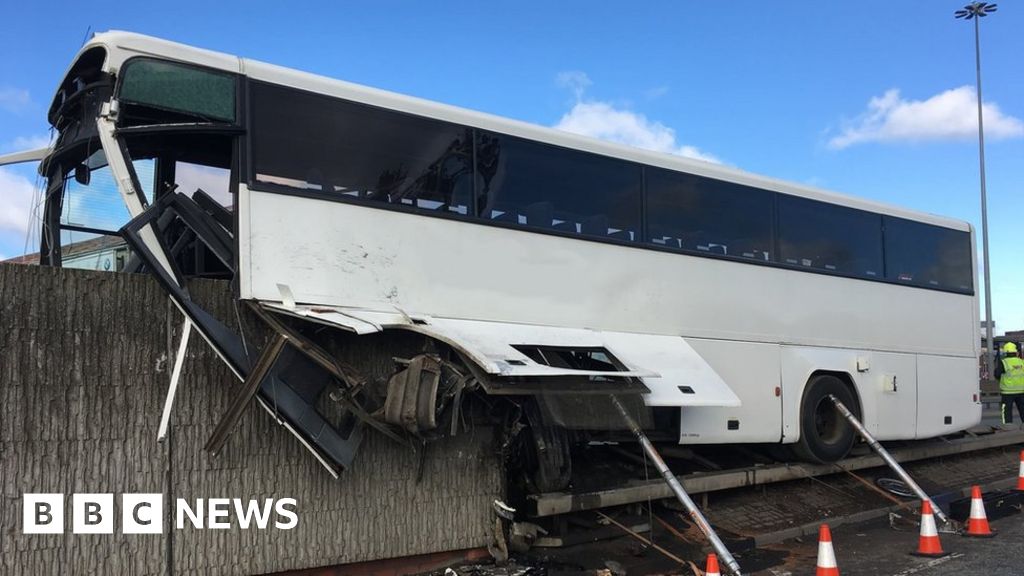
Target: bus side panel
339,254
947,391
752,372
799,363
891,379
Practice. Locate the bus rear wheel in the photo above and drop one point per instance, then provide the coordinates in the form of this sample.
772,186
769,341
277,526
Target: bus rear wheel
825,436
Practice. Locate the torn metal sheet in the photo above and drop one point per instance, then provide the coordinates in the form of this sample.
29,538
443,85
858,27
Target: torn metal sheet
492,345
686,378
346,319
674,373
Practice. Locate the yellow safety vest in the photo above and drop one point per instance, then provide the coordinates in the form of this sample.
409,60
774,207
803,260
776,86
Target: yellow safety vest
1012,380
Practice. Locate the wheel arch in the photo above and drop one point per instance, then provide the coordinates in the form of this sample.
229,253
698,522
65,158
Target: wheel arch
847,381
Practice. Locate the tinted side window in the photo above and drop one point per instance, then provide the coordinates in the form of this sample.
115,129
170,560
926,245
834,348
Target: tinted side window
205,93
690,212
314,142
926,255
543,186
829,237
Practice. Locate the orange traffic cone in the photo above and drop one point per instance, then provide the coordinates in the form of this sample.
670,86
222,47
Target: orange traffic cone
711,569
977,524
1020,474
826,555
928,544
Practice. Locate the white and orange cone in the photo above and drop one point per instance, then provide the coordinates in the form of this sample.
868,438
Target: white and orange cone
826,555
928,544
711,568
977,523
1020,474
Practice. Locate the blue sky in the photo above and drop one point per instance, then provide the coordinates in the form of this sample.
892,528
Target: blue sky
873,99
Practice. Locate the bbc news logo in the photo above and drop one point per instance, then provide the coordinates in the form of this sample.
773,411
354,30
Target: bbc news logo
144,513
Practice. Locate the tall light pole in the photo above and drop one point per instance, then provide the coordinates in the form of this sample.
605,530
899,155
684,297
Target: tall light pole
976,11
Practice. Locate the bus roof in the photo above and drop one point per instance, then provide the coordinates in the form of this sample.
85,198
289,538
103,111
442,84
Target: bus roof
121,46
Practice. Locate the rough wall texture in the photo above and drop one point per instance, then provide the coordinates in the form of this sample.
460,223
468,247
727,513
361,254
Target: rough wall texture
84,365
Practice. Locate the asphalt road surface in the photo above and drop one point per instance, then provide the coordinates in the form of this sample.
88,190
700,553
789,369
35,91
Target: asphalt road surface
879,549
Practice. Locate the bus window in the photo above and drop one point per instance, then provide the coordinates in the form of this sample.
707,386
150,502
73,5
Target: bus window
829,237
93,211
547,187
215,181
312,142
709,216
168,86
925,255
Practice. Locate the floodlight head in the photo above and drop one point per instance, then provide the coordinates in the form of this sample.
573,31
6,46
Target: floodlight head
979,9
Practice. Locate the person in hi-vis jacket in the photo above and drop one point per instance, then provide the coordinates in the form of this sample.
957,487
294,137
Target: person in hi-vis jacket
1010,373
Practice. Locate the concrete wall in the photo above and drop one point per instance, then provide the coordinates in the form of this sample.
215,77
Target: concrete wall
84,365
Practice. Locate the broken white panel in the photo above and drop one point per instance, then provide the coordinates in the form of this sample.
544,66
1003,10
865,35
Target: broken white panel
663,363
491,346
350,319
678,364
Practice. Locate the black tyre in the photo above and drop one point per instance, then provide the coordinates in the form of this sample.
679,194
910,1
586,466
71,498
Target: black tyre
825,436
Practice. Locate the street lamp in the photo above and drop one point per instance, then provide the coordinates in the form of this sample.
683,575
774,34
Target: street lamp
976,11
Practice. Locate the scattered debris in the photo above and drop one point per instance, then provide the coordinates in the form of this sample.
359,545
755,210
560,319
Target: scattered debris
643,539
523,535
504,510
615,568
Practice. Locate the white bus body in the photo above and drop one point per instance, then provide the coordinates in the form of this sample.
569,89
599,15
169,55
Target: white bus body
748,336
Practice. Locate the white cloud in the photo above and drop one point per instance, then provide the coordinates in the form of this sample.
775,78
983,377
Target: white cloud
605,121
574,80
17,202
950,115
14,99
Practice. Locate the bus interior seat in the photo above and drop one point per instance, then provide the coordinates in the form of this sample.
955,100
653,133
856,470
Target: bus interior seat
618,234
746,247
539,214
315,179
565,225
596,225
504,216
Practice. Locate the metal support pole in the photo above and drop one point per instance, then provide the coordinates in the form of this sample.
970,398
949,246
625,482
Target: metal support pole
991,353
886,456
677,489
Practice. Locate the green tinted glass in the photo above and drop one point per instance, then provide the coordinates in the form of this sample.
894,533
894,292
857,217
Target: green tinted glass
181,88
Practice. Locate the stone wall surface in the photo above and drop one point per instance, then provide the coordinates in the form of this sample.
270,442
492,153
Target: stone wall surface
85,360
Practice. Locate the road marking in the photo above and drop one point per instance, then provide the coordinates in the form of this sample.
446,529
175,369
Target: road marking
930,564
